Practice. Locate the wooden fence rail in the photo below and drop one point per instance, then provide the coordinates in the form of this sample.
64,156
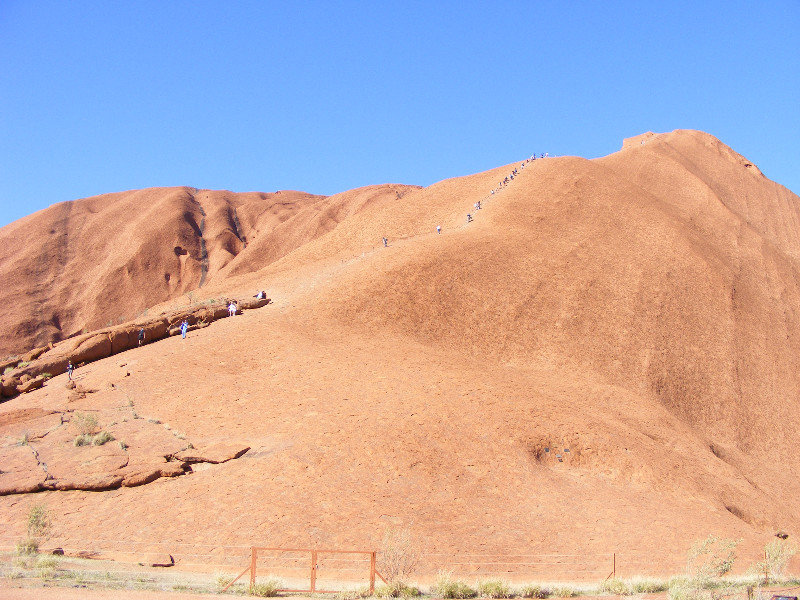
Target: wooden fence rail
313,568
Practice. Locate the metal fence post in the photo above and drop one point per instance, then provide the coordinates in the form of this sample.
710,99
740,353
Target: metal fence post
371,573
313,571
253,555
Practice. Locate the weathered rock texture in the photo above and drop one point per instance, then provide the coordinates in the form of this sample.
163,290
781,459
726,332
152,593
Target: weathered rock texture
607,359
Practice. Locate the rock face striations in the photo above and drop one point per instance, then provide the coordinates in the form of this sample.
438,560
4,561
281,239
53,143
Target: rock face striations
606,358
96,262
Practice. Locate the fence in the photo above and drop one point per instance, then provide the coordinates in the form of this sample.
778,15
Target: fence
333,568
313,567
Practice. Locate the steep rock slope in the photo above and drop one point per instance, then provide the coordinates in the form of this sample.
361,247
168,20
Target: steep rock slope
603,360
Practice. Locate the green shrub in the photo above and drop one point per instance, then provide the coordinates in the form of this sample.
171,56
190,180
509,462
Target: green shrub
27,547
494,588
711,557
47,376
84,439
222,580
8,370
352,594
448,587
643,585
683,588
85,422
397,589
39,522
777,555
267,588
102,437
565,591
615,586
535,591
46,562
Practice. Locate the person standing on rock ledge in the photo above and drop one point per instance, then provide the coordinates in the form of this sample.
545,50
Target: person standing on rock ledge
231,309
184,328
70,369
141,336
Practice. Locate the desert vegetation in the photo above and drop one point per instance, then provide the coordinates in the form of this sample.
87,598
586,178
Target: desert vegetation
37,528
86,424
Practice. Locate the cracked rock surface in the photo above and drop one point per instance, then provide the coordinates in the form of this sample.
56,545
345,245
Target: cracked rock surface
40,449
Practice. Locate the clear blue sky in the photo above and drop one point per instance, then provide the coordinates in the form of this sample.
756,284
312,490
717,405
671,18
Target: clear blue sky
105,96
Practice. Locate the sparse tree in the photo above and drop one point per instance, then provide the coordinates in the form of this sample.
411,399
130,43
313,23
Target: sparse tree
711,557
399,555
777,555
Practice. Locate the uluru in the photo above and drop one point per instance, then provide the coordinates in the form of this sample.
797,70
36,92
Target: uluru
604,358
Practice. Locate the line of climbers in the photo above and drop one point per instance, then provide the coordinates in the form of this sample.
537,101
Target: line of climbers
477,206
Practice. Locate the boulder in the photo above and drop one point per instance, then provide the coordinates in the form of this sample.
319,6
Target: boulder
217,312
35,353
252,303
141,477
32,384
8,387
53,363
123,338
96,347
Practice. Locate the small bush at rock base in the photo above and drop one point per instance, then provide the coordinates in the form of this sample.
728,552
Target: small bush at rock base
643,585
397,589
102,437
352,594
616,587
27,547
535,591
494,588
447,586
564,591
267,588
85,423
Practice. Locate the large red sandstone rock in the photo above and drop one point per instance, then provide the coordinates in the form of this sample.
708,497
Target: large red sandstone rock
19,470
252,303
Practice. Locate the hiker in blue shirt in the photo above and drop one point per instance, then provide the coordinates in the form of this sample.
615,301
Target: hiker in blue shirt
184,328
